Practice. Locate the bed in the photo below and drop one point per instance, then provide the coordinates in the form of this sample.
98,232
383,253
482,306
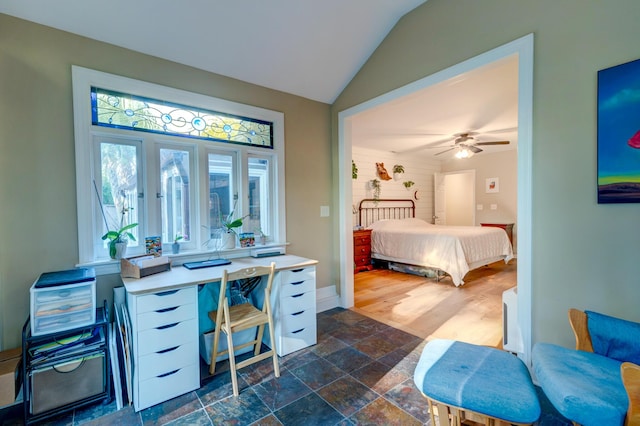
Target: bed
398,236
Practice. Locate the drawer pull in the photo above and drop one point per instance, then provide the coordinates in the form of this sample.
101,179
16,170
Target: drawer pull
298,295
297,282
297,331
297,313
297,270
167,293
169,373
162,311
64,293
164,327
164,351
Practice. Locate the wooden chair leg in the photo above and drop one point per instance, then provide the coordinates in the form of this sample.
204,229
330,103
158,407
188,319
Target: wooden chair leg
214,352
232,365
276,366
256,351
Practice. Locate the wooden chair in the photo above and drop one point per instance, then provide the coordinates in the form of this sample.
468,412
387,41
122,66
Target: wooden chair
629,371
232,319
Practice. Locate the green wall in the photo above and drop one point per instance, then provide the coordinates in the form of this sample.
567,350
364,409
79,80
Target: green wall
37,164
584,255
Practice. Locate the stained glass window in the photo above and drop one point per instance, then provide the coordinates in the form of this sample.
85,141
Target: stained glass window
127,111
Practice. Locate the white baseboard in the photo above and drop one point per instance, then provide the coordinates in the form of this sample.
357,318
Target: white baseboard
327,298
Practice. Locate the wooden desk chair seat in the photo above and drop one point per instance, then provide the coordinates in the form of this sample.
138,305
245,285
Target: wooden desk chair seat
232,319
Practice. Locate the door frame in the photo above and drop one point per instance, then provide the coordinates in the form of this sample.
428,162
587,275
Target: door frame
523,48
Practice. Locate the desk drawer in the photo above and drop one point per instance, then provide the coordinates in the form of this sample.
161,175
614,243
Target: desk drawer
167,386
297,287
168,336
158,363
295,275
160,317
298,302
297,339
165,299
297,320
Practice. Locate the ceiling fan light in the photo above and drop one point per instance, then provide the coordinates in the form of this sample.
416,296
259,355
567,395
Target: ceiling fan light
464,152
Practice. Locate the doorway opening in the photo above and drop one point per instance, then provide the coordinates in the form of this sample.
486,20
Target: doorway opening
523,49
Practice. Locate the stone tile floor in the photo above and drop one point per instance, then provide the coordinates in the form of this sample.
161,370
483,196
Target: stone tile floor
359,373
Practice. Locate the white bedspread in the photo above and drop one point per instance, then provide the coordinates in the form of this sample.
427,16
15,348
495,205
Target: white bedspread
453,249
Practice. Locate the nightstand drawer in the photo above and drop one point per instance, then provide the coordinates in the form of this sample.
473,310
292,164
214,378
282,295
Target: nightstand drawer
362,261
362,250
360,240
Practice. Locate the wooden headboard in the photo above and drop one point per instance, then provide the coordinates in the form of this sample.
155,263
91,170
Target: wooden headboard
371,210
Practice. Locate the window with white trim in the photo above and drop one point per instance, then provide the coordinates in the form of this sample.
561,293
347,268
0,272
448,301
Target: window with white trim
176,163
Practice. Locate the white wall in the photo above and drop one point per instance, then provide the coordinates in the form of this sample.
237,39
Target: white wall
416,169
501,165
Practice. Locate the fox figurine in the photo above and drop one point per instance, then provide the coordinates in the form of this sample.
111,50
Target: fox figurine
382,172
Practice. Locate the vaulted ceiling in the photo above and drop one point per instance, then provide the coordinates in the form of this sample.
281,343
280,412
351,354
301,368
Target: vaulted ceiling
306,48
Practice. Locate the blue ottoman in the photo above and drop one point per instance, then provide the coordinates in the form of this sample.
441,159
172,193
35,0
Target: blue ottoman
478,383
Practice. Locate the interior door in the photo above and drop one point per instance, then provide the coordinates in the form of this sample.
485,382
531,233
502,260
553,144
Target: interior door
439,204
454,199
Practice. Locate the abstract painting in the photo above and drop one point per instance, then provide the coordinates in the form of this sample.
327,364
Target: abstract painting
619,134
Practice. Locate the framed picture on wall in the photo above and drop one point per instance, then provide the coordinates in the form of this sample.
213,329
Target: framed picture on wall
492,185
619,134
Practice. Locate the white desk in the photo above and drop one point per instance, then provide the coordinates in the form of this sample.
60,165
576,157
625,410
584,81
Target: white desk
163,310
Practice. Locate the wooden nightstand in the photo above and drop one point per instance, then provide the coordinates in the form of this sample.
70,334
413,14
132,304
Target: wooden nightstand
362,250
508,227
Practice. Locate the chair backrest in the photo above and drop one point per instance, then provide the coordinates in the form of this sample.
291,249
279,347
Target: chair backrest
256,271
631,378
578,321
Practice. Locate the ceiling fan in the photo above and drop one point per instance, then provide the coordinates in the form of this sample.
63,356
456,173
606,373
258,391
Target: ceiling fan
466,144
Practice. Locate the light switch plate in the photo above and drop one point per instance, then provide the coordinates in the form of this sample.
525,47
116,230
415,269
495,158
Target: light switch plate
324,211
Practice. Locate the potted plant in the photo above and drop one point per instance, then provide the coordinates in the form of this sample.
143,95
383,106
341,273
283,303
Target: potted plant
408,184
375,186
230,226
175,247
118,239
354,170
263,237
398,169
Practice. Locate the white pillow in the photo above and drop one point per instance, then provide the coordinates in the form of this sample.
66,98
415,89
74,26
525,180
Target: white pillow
411,222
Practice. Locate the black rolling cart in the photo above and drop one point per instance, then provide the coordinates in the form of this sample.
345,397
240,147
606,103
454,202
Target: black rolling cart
65,370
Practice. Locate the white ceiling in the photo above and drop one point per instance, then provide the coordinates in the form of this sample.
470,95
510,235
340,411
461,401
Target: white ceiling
307,48
484,100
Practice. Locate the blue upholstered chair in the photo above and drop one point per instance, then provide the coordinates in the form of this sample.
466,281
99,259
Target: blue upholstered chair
598,383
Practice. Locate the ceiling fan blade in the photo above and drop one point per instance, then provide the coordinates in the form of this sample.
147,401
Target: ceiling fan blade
474,148
446,150
493,143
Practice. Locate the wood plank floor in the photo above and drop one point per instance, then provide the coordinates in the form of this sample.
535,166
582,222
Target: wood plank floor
428,309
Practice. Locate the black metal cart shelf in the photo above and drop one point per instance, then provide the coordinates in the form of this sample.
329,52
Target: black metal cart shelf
87,381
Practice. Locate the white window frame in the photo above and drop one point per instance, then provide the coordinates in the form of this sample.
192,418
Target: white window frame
83,79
